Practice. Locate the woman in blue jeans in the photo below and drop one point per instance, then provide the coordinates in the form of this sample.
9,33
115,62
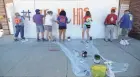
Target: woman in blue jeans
19,25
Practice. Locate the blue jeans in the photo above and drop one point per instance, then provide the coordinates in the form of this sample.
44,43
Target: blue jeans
19,29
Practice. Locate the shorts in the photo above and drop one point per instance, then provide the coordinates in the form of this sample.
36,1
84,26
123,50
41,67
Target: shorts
86,27
125,31
48,28
40,28
62,27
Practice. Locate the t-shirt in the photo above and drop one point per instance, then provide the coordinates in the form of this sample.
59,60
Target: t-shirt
111,19
48,20
126,21
38,19
62,20
19,21
98,70
88,20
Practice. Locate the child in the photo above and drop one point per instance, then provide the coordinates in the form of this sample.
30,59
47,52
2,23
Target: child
48,24
19,25
62,20
86,25
126,25
98,69
38,19
110,23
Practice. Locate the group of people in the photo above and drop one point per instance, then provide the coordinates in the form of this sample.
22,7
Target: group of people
45,22
125,24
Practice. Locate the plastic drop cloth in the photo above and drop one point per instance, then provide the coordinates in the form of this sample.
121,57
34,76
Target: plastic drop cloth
81,66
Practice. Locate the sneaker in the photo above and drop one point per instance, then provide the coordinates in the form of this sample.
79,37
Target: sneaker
87,41
63,40
43,39
38,40
82,41
126,41
106,40
24,40
110,40
16,40
122,42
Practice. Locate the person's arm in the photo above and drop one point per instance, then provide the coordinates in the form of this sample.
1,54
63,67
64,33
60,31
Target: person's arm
83,22
57,21
34,19
68,21
106,20
122,19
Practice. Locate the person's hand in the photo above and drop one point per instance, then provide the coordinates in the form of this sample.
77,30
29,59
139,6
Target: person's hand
69,21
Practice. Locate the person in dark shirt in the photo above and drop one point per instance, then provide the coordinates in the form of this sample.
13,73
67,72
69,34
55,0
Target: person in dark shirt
126,25
38,19
62,20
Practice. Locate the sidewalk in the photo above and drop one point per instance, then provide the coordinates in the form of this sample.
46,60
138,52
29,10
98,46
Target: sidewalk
34,58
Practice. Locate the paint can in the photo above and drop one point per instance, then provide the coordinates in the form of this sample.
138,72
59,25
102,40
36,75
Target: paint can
69,39
84,54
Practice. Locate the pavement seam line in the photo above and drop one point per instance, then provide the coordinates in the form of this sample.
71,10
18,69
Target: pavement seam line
127,52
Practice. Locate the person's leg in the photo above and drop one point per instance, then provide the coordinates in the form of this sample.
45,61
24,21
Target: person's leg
42,32
46,31
60,34
17,33
50,32
64,34
111,32
127,32
126,36
83,32
38,31
22,32
88,33
123,33
107,33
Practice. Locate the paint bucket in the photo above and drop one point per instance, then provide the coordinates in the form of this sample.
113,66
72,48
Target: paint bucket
90,38
84,54
69,39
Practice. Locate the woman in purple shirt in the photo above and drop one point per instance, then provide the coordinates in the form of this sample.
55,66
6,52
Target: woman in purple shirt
62,20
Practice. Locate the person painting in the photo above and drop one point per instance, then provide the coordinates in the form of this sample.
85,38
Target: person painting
110,23
98,69
62,20
86,25
48,25
126,24
38,19
19,25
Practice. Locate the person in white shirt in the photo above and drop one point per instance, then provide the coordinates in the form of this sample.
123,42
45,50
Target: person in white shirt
48,24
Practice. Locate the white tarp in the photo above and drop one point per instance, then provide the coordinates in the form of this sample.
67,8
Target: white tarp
81,66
